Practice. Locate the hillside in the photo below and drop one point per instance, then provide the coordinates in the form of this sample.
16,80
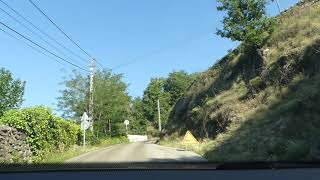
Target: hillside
260,110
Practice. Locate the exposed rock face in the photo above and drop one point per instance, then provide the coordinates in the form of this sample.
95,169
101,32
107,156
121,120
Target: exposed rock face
13,146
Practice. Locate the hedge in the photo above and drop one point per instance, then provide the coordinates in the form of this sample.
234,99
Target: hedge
45,131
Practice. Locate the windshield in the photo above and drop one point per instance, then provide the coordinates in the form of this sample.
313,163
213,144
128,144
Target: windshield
212,81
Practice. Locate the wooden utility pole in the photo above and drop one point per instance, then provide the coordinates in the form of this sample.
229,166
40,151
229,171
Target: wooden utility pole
159,115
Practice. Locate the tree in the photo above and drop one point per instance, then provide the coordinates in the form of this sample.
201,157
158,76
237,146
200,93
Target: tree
111,101
168,91
153,92
74,98
246,21
176,84
138,122
11,91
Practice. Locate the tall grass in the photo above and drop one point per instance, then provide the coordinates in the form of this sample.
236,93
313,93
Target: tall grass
60,157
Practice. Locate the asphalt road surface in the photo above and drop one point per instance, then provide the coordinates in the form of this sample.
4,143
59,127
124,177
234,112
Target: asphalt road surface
137,152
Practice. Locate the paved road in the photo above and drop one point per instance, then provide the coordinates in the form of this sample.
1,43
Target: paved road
137,152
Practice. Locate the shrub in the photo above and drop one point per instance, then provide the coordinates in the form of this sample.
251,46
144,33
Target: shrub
65,133
92,139
257,83
45,132
296,150
152,131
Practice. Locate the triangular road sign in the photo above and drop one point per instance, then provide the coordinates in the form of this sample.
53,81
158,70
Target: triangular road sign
84,117
189,139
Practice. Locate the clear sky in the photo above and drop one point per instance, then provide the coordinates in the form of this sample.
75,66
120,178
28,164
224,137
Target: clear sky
157,36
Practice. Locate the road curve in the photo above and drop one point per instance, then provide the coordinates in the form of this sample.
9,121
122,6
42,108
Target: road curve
137,152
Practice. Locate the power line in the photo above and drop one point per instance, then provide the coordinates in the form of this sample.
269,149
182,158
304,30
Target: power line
44,33
157,51
278,5
43,47
34,33
62,31
31,46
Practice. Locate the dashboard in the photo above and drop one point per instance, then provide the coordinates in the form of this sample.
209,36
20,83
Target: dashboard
292,174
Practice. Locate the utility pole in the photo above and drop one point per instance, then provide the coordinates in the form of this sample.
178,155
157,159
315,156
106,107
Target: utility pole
278,5
159,115
91,92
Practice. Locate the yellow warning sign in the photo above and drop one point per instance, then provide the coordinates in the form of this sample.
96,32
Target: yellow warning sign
189,139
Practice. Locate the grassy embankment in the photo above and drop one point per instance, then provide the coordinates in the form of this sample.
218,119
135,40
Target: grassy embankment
259,111
60,157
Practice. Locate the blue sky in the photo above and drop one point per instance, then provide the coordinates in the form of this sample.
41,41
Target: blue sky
159,36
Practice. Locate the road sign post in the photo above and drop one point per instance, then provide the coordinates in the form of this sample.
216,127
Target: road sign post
84,138
126,123
85,124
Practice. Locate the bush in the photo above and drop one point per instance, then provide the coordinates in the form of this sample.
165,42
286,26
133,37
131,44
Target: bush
65,133
92,139
152,131
45,132
257,83
297,150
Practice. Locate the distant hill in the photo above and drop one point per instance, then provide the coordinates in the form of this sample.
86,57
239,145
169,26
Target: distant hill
260,110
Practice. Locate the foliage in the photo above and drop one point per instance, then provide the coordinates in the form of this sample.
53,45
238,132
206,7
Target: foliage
177,83
111,101
74,98
168,91
256,83
11,91
65,133
153,92
297,150
152,131
138,123
45,132
246,21
112,105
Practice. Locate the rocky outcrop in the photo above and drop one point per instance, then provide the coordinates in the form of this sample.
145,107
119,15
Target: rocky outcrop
13,146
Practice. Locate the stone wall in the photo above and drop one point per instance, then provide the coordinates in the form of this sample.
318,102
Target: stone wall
13,146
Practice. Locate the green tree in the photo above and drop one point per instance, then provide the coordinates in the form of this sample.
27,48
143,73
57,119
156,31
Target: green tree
11,91
138,122
111,101
153,92
74,98
246,21
176,84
